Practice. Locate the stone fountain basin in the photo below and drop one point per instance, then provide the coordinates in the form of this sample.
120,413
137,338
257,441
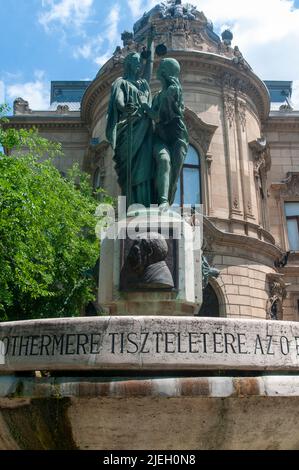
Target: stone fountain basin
156,383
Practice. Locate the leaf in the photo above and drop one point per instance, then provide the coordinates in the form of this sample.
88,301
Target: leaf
47,231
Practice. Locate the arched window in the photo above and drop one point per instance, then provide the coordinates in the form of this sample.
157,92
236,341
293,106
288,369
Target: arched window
97,179
189,185
98,183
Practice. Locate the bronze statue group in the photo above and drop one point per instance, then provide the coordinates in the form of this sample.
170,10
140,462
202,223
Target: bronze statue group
148,136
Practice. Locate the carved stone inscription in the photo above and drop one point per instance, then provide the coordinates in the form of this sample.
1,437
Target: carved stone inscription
146,342
149,343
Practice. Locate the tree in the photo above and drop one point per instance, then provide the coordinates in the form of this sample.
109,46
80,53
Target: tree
48,245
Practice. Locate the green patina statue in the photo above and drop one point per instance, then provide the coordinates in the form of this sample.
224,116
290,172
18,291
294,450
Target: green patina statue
130,130
150,140
170,143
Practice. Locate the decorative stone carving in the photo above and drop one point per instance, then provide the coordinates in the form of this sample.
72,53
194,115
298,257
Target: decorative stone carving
209,160
229,109
277,294
261,155
228,81
200,132
242,86
21,106
287,188
198,40
210,234
291,185
235,85
171,9
241,107
62,109
236,203
178,24
239,60
117,56
127,38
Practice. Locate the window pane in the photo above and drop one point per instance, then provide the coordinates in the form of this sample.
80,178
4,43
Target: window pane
293,234
192,157
97,179
191,186
177,199
292,208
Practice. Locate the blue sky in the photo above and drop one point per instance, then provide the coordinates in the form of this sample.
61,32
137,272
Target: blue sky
48,40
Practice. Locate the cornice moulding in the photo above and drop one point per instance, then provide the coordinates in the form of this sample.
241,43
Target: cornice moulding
230,239
191,60
285,123
22,122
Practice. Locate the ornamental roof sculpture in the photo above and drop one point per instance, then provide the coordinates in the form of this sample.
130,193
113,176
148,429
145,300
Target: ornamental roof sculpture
168,10
180,27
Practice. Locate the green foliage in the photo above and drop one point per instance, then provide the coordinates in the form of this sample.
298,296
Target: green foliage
48,246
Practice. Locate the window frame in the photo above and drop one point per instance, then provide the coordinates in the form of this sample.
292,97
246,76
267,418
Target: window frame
193,167
290,217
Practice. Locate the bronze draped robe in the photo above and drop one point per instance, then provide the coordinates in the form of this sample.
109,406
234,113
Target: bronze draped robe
124,92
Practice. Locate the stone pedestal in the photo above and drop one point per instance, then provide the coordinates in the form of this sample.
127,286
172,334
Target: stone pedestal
120,295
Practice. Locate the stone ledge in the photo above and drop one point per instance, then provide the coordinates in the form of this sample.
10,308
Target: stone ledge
92,387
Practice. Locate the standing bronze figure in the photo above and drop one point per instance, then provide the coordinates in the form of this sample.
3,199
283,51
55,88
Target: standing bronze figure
130,131
170,136
150,140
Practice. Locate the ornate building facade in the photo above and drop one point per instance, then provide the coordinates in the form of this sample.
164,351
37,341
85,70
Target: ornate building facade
242,164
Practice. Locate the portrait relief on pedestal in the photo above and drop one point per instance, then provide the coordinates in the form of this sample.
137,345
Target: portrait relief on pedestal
149,263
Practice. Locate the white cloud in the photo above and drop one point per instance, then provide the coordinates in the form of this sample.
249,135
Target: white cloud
266,31
111,34
102,59
2,92
151,3
135,7
295,95
256,22
112,25
90,48
138,7
72,13
37,92
39,74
